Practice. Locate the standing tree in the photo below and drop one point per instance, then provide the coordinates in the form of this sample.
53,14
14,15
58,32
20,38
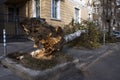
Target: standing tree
108,14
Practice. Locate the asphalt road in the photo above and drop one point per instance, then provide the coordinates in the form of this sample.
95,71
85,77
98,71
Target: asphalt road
107,68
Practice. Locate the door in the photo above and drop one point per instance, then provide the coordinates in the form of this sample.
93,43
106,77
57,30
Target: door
13,20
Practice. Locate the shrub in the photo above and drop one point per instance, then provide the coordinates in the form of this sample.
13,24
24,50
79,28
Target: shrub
108,39
93,36
73,27
90,39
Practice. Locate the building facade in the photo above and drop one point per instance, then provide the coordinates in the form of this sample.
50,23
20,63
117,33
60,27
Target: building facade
117,15
106,14
56,12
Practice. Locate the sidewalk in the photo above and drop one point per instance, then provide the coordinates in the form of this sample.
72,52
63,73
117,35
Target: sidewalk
16,47
6,74
85,56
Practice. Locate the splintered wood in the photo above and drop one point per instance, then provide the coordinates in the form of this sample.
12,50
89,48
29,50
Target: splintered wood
42,33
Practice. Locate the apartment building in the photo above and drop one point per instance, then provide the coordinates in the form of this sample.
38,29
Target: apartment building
97,13
55,12
106,14
117,15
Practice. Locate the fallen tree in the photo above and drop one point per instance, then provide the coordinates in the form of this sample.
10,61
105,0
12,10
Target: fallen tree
51,38
42,33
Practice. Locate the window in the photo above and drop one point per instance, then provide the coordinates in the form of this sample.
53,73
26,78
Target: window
55,13
96,9
76,18
36,8
96,22
13,14
10,14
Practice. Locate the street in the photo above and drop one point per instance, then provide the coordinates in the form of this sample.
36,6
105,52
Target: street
107,68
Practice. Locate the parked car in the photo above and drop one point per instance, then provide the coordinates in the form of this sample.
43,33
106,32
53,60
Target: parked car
116,34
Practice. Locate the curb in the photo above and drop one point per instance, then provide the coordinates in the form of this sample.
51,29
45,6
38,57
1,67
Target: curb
29,74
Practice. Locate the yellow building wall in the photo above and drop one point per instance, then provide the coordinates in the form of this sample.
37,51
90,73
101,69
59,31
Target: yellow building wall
84,11
67,8
84,14
66,12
